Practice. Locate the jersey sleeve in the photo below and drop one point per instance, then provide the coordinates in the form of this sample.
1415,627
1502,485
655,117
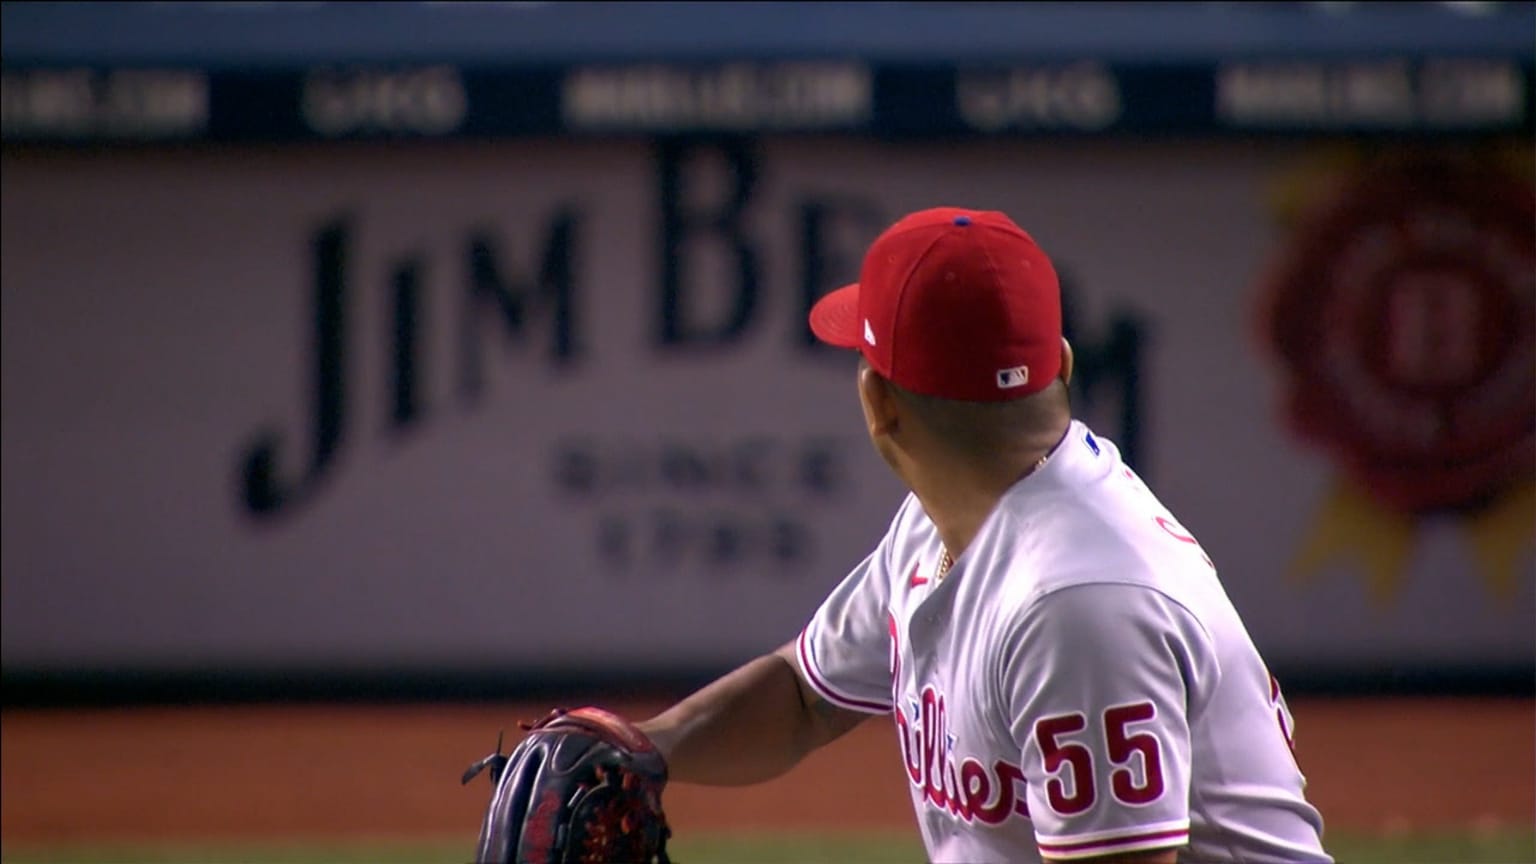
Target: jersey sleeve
1096,683
845,650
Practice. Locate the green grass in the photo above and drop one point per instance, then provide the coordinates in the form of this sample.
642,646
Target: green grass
1506,846
1503,847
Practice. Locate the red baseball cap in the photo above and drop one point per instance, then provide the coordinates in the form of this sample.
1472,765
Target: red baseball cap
953,303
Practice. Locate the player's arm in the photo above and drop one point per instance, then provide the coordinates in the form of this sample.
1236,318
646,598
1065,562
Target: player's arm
750,725
759,720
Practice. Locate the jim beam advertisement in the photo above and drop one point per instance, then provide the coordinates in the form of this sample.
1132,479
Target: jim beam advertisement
1401,309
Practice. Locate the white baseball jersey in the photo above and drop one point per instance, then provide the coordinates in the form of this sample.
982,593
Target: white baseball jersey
1077,684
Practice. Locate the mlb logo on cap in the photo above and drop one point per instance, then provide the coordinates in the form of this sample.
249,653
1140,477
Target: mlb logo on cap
952,303
1007,379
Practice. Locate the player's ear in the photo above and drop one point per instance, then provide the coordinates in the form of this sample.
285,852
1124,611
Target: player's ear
880,409
1066,361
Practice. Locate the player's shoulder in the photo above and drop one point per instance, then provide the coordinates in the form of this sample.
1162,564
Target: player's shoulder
1106,601
1112,627
1094,520
1124,551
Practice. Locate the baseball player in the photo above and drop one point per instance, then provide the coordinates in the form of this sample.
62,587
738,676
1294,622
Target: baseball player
1067,677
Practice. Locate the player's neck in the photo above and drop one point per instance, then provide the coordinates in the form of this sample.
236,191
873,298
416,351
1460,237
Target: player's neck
958,494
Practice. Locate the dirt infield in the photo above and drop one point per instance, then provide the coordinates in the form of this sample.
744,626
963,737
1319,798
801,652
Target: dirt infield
343,772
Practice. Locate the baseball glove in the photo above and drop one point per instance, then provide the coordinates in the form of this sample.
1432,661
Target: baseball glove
583,786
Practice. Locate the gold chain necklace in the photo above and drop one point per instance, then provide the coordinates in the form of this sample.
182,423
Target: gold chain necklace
945,562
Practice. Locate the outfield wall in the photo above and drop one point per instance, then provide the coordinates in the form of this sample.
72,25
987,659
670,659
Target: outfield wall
414,407
386,364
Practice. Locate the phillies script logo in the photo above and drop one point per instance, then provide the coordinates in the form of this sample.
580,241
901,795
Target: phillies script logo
965,787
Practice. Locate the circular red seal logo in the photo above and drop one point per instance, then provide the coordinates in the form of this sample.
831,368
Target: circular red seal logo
1404,313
